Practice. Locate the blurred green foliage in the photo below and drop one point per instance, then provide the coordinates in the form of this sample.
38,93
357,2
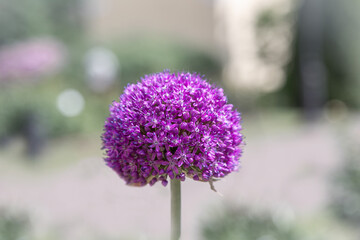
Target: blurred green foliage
345,194
340,53
13,226
21,19
144,55
234,223
18,103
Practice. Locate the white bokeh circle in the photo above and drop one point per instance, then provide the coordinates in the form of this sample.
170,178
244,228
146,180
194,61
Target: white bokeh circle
70,102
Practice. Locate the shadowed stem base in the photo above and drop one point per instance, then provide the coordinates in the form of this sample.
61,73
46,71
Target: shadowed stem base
175,189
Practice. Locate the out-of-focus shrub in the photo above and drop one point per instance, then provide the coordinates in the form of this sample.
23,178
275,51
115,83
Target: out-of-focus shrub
13,226
146,55
21,19
346,189
17,105
243,224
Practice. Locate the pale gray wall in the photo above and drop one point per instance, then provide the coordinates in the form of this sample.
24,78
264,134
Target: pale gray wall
187,20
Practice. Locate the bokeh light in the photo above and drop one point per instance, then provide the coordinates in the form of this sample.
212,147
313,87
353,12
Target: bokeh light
70,102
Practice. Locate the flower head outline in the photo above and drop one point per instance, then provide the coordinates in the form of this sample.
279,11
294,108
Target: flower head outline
172,125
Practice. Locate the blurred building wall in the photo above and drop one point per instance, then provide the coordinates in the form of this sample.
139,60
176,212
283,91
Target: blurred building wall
186,20
255,36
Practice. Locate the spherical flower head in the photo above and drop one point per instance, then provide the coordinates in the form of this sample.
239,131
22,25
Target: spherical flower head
172,125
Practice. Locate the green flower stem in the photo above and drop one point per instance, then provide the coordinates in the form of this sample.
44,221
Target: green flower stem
175,189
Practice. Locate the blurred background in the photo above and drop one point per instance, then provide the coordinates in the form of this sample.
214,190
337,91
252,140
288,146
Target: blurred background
292,67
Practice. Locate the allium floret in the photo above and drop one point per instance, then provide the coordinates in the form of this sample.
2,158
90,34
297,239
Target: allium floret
172,125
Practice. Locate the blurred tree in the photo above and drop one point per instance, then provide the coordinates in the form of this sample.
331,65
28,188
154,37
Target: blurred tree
21,19
338,50
67,18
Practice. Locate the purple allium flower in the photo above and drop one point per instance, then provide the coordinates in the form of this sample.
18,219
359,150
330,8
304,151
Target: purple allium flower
175,125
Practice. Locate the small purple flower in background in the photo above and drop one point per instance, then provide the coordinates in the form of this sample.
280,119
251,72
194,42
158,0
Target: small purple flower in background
31,59
172,125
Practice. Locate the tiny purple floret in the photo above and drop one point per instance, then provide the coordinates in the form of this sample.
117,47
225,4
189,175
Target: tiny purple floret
172,125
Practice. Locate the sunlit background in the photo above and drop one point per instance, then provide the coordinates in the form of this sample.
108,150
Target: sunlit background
292,67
